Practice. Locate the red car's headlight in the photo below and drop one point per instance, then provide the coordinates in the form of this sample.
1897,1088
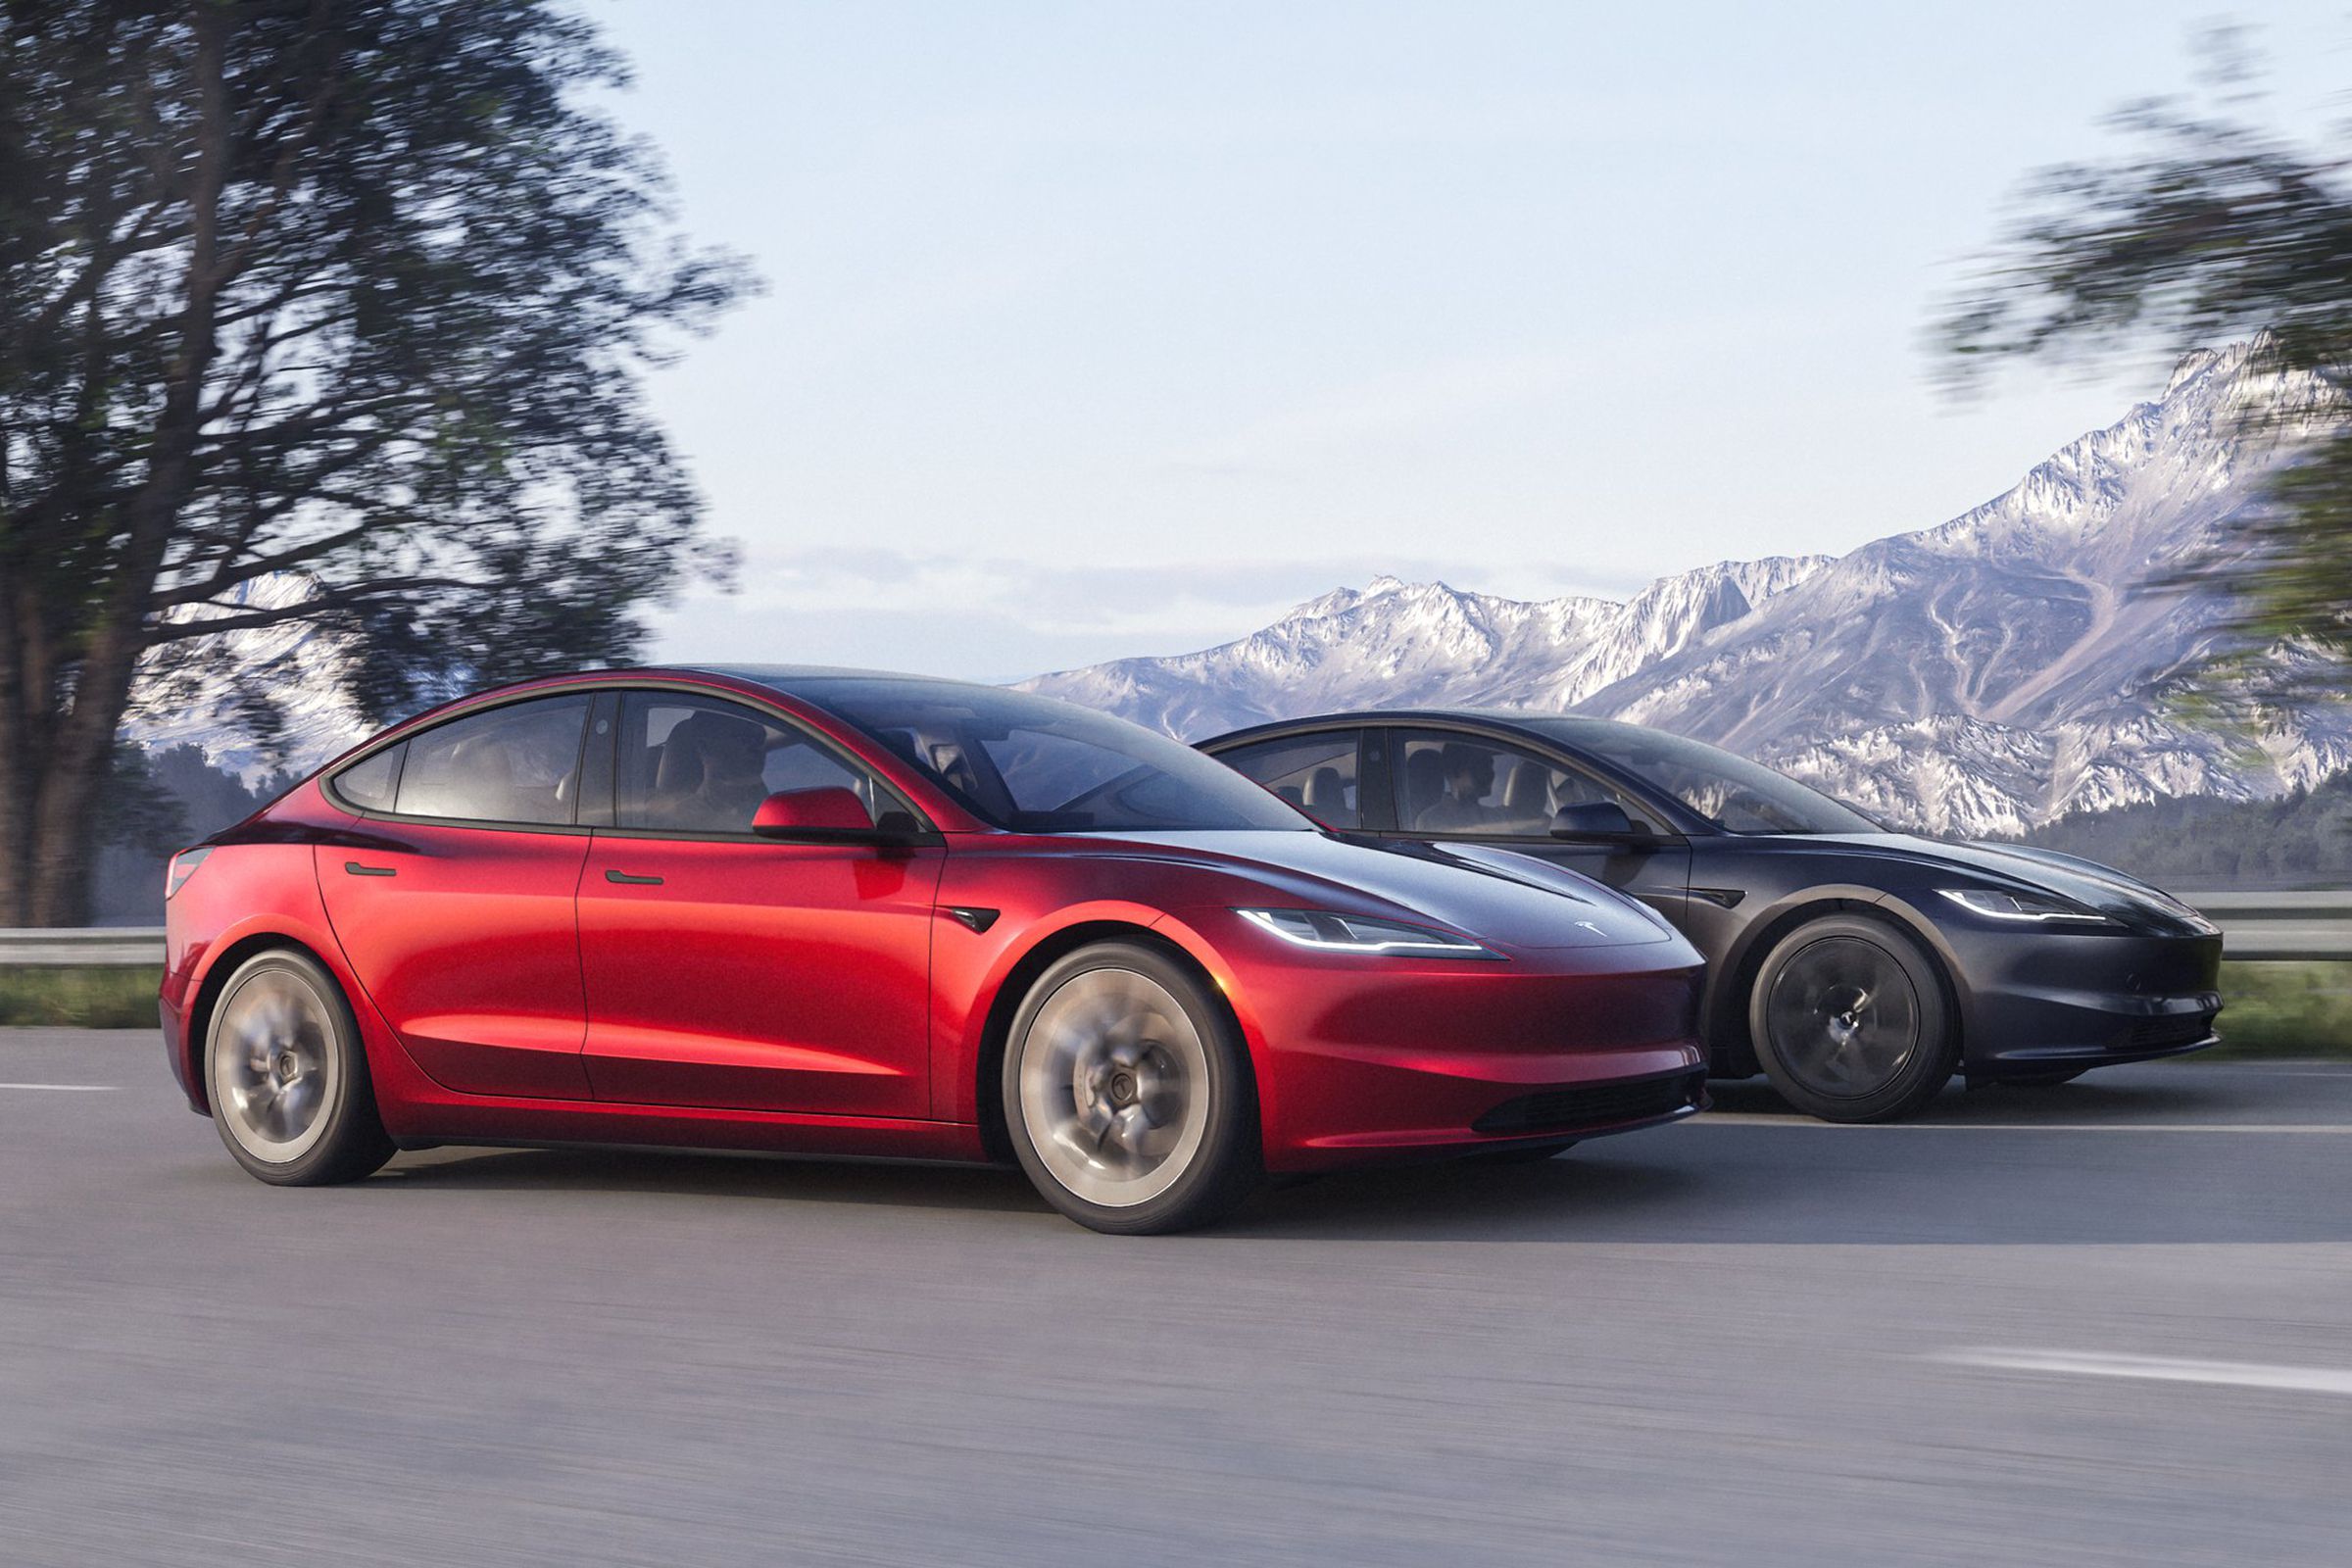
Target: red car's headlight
1326,932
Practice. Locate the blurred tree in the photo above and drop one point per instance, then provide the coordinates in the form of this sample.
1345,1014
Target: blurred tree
2210,229
359,290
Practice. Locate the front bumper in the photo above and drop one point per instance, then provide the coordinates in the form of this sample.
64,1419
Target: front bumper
1361,1062
2054,1001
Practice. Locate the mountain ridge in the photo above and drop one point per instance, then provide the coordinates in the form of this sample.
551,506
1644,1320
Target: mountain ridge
1985,674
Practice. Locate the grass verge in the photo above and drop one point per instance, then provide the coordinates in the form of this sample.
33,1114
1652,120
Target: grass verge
2285,1009
80,997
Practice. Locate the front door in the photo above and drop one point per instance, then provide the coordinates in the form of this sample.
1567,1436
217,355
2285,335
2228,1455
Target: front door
453,899
1460,786
727,970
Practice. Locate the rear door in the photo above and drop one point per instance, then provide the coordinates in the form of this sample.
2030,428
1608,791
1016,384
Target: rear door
729,970
454,900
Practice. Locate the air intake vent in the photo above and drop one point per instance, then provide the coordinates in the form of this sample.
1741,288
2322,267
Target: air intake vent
1596,1105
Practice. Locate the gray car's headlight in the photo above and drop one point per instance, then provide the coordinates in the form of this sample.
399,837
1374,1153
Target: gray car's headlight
2039,907
1326,932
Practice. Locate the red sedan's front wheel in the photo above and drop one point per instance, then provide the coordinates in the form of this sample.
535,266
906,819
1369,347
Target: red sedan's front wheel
1128,1095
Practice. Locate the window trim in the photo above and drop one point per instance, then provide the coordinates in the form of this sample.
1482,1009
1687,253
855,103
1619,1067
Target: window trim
401,737
1669,829
926,832
1367,747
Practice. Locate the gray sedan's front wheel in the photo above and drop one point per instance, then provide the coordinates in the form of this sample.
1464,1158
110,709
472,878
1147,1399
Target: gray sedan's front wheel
1850,1022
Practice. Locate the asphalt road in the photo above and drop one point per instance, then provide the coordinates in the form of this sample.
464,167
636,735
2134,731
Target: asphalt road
1745,1339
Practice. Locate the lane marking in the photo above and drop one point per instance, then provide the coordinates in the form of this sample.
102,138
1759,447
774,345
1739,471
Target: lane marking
2157,1369
1746,1118
70,1088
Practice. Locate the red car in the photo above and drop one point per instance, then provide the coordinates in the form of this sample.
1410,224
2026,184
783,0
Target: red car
826,913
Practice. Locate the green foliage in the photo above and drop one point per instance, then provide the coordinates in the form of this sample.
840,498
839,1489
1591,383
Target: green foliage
97,998
2285,1009
2210,229
363,292
2302,839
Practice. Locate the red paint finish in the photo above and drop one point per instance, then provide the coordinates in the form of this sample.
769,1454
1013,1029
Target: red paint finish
731,991
762,976
469,948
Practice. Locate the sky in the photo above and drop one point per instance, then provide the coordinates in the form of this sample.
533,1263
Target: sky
1101,329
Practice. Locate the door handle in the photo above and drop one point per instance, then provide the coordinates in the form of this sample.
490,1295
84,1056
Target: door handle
633,881
357,869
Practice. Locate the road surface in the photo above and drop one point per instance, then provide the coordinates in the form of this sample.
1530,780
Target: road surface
2109,1323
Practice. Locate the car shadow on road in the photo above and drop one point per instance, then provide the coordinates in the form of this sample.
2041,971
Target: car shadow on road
2070,1167
765,1177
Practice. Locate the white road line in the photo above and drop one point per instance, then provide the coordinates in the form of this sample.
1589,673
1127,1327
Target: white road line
2158,1368
1743,1118
71,1089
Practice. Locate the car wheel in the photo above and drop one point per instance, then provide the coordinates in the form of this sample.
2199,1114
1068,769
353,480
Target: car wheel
1850,1019
1523,1154
288,1078
1128,1095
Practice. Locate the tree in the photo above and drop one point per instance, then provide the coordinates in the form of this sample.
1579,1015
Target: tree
2212,228
360,290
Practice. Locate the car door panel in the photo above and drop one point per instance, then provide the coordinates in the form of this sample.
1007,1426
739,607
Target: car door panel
454,900
759,976
464,939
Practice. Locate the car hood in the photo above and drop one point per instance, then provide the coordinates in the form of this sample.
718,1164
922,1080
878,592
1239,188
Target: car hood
1524,906
2094,886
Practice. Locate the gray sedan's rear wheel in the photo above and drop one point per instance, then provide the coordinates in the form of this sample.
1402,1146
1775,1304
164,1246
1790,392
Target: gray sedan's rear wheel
1850,1022
1127,1093
287,1077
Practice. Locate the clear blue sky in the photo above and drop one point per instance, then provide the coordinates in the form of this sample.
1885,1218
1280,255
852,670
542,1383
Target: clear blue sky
1096,329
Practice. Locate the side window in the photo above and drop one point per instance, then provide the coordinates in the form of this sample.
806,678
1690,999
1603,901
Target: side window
1463,784
371,784
516,764
1317,774
695,765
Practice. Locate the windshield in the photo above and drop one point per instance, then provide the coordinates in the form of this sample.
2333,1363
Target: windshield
1034,764
1733,793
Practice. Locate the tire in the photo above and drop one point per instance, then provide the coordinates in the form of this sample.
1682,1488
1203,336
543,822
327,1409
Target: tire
1525,1154
2043,1080
1851,1021
287,1077
1128,1098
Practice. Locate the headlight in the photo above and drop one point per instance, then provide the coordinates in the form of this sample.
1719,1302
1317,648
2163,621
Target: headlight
1353,933
2040,907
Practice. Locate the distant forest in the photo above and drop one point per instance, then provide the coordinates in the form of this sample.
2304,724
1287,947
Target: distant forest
2301,839
156,803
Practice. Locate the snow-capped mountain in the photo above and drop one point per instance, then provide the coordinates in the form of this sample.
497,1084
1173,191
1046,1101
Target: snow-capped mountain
1982,676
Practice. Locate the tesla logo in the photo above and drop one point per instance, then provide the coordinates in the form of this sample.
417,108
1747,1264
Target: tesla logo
1589,926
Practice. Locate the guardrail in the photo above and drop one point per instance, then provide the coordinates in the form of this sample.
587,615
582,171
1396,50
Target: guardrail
2307,926
99,947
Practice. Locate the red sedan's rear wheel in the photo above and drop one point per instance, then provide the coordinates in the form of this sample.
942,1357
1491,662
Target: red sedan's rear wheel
1127,1093
287,1076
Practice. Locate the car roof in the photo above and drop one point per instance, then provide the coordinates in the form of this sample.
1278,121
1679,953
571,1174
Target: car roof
1511,717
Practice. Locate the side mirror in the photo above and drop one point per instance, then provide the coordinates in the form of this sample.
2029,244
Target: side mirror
1599,823
830,814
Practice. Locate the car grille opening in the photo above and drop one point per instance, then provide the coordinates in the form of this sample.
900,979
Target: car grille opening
1596,1104
2155,1033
